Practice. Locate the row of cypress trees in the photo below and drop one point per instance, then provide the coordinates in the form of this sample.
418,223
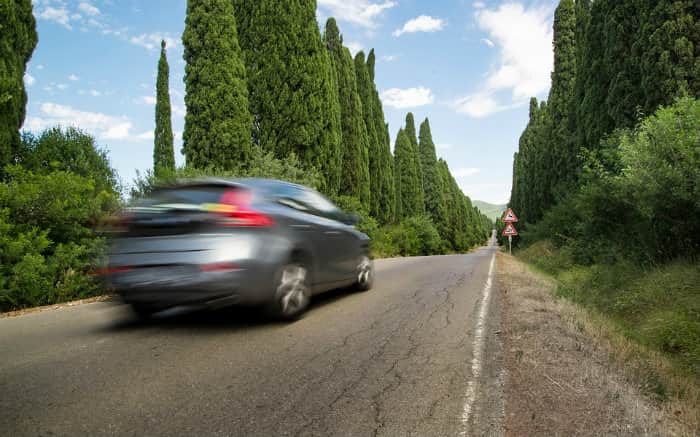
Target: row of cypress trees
615,61
260,76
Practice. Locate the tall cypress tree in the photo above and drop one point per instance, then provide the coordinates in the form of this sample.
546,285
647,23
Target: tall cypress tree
218,124
293,95
562,151
432,183
411,133
355,169
385,165
364,89
163,152
409,193
18,39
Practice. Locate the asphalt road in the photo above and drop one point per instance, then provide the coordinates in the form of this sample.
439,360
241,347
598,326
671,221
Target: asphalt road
398,360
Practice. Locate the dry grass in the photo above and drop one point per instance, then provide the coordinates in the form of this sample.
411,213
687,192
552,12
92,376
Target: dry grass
572,374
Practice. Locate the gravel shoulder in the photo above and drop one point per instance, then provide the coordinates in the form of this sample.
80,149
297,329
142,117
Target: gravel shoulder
560,381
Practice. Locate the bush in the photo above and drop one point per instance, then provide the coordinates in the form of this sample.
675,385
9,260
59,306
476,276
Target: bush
47,210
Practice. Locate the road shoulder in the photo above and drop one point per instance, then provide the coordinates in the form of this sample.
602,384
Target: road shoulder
560,381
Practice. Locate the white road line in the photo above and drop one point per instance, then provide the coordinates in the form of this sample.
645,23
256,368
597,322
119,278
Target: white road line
478,352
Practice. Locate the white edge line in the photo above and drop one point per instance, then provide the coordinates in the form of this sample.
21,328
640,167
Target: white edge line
478,351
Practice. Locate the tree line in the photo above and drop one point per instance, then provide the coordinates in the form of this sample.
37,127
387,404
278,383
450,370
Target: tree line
616,63
260,79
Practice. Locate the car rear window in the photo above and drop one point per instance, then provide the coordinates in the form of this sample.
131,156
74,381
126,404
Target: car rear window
196,195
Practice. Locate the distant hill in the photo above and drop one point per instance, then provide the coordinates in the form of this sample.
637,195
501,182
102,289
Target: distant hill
489,209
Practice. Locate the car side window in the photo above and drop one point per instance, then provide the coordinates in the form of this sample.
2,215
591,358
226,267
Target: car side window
320,205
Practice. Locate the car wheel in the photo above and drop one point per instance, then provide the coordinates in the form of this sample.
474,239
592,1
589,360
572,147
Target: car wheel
292,292
365,274
143,312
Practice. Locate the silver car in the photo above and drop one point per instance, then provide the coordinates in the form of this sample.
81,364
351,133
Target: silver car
248,242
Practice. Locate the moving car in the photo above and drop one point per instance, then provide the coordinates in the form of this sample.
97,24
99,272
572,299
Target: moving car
248,242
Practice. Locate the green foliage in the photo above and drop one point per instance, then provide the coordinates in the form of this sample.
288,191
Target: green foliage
414,236
293,94
409,192
354,179
18,38
163,151
366,93
432,182
218,123
48,208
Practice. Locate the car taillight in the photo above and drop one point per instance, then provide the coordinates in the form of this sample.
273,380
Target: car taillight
218,267
236,210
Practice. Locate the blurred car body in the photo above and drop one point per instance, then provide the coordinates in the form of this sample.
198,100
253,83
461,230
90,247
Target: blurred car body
249,242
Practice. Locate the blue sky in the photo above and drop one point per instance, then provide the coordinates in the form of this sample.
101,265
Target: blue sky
469,66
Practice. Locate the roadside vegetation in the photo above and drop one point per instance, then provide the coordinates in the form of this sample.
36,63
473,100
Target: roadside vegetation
607,176
243,120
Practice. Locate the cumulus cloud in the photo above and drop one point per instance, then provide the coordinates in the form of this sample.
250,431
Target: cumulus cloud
146,100
407,98
73,78
360,12
88,9
423,23
101,125
151,41
479,5
95,93
487,41
29,79
354,47
523,37
57,15
389,58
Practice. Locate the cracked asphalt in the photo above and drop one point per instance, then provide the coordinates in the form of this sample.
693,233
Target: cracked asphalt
393,361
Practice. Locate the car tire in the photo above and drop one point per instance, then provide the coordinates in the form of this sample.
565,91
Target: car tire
364,274
292,293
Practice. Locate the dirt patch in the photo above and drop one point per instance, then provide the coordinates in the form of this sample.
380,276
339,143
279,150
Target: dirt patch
560,382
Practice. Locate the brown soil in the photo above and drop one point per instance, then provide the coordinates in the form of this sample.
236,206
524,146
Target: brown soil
560,382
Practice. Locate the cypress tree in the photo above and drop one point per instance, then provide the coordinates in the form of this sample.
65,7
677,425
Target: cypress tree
355,166
409,193
385,173
411,133
163,152
218,124
293,95
18,39
432,183
364,88
562,150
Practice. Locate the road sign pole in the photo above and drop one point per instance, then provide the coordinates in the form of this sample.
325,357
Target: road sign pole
510,244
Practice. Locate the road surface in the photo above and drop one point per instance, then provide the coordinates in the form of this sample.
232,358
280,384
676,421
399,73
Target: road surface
416,355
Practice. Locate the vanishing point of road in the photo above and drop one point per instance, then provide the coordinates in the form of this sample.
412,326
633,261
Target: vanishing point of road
415,356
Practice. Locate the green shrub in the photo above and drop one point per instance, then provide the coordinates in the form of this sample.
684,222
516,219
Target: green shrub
48,207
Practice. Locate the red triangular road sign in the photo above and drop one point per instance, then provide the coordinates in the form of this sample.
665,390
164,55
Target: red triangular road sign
510,217
510,231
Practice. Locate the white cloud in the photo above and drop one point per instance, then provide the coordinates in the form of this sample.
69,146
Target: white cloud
29,79
487,41
151,41
361,12
178,109
73,78
57,15
95,93
389,58
423,23
523,37
61,86
40,67
496,193
88,9
102,125
407,98
465,172
478,5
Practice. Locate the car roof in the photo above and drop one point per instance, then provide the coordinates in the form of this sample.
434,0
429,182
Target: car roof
255,183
